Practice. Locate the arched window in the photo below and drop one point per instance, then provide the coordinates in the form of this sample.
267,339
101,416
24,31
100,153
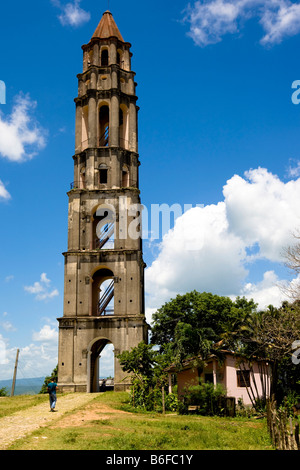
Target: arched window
90,57
103,292
104,57
104,126
84,134
82,178
104,229
120,60
124,127
125,177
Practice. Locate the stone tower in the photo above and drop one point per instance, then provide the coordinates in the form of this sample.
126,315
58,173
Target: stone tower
104,268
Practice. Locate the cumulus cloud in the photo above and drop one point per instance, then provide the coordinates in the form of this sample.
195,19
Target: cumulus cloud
263,210
36,359
210,20
71,13
46,334
41,289
254,222
269,291
21,136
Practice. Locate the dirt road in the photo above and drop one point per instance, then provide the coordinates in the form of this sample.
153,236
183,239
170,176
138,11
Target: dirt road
24,422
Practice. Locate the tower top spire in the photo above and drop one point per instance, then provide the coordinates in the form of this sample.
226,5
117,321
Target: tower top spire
107,28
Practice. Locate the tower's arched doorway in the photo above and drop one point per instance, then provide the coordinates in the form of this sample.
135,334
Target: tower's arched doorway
96,369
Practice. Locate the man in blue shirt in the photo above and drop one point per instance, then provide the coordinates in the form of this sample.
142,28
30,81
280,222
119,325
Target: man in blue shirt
52,387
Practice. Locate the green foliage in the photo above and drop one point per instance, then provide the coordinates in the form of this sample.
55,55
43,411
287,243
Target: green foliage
147,369
190,324
139,361
54,375
289,402
4,392
210,400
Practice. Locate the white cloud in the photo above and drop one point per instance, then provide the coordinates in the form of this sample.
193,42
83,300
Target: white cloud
3,354
269,291
258,215
37,359
41,289
7,326
281,18
4,194
72,14
294,169
45,334
210,20
263,210
20,135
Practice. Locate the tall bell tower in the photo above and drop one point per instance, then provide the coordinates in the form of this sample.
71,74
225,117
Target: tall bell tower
104,267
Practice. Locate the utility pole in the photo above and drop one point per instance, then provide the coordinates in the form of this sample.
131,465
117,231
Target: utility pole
15,374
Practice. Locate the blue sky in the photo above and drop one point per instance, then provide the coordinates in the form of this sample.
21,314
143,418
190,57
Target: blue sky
217,127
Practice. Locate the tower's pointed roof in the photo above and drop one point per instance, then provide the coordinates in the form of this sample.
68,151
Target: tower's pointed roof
107,28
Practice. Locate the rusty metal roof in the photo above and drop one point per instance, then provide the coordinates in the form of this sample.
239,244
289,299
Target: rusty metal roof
107,28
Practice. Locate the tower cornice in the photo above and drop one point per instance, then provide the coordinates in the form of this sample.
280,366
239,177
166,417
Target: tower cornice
105,94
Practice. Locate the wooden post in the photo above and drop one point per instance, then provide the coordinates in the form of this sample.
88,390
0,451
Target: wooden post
163,400
15,374
297,436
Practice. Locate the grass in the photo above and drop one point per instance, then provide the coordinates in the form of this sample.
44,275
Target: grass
149,431
10,405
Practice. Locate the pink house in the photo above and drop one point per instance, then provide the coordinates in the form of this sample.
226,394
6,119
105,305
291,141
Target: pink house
236,377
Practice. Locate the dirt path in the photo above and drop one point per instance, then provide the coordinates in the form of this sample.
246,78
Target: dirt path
24,422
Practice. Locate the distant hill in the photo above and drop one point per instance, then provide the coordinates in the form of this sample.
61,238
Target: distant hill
24,386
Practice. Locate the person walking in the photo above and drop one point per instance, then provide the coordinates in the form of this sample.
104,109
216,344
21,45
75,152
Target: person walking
52,387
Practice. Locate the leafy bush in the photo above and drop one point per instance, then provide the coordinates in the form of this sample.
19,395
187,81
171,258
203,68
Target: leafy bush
148,398
208,399
3,392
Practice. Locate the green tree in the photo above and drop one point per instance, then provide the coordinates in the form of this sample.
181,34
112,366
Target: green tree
191,324
270,335
140,363
54,375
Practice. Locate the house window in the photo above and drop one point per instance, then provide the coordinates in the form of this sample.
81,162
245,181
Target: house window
209,378
243,378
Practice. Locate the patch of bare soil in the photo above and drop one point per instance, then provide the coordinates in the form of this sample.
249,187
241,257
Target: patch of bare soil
93,412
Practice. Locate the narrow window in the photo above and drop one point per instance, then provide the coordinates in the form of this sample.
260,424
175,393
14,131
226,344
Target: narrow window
104,126
82,178
125,179
104,58
103,176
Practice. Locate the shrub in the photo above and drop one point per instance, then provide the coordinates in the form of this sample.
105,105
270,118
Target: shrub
208,399
3,392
